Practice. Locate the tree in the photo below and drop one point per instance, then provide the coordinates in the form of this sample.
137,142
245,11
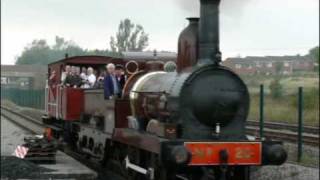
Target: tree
39,52
279,67
276,88
314,54
35,53
60,43
130,37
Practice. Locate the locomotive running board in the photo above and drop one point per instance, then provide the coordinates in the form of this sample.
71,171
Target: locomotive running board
148,172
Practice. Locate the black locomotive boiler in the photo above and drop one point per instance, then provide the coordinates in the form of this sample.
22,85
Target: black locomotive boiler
188,124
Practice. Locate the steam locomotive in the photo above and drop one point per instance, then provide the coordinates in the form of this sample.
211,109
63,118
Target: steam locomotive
187,124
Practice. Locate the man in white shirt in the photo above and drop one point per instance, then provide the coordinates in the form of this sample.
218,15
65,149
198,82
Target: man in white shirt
91,77
83,74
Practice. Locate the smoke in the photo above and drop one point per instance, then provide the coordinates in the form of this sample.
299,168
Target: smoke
190,6
231,8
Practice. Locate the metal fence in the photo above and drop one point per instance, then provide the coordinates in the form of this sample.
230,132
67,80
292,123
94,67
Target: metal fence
297,111
27,98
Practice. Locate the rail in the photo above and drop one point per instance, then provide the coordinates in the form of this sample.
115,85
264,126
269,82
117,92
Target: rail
284,126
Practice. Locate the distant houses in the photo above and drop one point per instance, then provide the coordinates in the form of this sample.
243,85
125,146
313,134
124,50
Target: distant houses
270,65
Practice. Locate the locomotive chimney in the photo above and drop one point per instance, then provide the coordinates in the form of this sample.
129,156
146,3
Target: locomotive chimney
209,50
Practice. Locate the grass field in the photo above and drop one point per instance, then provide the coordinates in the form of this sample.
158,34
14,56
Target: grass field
284,109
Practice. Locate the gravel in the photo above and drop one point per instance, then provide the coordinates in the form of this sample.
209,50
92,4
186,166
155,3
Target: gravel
285,172
310,154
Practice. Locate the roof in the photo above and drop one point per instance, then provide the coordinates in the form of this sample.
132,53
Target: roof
86,60
251,59
150,55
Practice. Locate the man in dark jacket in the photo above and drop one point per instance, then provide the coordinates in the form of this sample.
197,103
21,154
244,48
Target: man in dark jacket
111,85
121,77
73,79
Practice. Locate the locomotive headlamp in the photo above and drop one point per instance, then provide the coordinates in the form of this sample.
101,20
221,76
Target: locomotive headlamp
180,155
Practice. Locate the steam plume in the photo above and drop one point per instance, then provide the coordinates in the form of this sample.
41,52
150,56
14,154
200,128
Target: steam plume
227,7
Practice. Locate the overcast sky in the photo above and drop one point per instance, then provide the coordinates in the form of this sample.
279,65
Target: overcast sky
248,27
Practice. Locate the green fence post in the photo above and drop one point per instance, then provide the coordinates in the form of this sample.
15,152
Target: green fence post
261,118
300,122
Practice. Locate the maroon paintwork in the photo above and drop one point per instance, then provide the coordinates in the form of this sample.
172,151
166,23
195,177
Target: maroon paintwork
188,46
130,83
72,104
145,141
122,111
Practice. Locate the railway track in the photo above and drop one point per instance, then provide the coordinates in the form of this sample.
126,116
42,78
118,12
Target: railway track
285,126
33,125
285,135
276,131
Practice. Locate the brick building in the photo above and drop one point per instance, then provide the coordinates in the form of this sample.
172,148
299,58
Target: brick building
270,64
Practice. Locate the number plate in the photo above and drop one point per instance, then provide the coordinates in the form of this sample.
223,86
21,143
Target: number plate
240,153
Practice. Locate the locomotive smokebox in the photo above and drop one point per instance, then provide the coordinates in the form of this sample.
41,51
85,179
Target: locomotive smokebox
209,50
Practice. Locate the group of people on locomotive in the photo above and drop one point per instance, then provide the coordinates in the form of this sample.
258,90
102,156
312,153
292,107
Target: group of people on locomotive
112,79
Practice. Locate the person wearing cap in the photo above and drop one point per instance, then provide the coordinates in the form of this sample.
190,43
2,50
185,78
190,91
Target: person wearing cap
120,76
111,85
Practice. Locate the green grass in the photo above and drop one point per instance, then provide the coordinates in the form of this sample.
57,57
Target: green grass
285,109
309,160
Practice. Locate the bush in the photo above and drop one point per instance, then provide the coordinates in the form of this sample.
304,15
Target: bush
276,89
310,99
